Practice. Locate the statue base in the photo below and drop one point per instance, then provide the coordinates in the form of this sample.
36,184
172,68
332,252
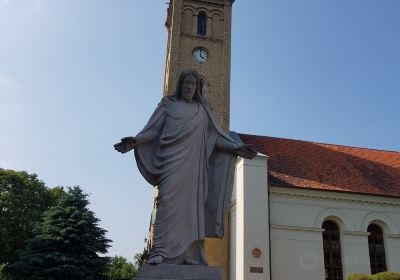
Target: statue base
174,271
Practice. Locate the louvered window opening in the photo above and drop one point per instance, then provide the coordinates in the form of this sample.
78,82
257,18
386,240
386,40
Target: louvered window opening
376,249
332,251
201,24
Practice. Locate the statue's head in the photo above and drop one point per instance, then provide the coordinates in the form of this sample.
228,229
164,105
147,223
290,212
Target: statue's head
188,87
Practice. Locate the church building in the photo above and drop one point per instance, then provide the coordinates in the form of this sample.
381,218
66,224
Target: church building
300,210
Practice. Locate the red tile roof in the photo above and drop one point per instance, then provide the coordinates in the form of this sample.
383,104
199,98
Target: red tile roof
295,163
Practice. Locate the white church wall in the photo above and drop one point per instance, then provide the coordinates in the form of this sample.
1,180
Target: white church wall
296,253
296,217
249,221
237,225
232,243
392,246
236,250
355,254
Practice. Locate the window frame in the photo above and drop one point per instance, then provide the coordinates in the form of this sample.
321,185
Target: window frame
202,23
332,250
376,237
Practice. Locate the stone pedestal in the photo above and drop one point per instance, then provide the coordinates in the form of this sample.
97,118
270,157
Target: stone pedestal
174,272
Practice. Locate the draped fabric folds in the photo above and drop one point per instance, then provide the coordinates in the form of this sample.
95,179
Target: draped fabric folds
194,178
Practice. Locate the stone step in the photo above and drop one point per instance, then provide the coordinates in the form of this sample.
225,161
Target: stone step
174,272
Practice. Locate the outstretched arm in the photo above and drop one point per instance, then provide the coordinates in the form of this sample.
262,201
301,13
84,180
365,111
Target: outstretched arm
129,143
246,151
242,150
149,133
225,145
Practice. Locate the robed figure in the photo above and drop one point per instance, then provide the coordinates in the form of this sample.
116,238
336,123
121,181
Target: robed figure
184,152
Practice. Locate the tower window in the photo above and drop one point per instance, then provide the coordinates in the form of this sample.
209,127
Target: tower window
202,24
332,251
376,249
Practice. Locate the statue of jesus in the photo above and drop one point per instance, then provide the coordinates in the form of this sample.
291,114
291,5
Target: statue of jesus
183,151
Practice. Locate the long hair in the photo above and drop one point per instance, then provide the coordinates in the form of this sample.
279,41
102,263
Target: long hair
197,94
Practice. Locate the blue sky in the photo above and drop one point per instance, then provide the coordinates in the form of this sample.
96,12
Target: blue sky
76,76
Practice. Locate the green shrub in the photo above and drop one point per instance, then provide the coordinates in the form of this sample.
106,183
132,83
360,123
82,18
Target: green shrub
386,276
359,276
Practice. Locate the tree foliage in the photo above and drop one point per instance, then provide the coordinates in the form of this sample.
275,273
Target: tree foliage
66,244
121,268
23,199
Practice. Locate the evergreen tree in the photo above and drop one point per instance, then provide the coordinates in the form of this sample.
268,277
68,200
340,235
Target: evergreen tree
66,245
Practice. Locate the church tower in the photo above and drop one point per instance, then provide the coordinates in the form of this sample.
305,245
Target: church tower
199,37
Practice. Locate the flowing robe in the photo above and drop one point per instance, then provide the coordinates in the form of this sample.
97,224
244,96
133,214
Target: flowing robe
193,176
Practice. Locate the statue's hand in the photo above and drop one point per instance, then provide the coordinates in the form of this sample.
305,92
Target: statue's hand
246,151
126,144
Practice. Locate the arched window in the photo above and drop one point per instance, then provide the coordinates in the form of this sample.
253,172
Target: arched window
376,249
332,251
202,24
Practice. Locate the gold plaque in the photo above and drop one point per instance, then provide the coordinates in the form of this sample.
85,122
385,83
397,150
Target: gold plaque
256,253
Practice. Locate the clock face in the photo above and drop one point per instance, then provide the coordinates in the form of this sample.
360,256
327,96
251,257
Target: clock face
200,55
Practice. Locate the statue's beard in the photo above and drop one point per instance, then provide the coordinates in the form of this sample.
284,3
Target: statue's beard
187,95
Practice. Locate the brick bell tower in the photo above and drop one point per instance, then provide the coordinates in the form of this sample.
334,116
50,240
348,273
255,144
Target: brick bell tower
199,37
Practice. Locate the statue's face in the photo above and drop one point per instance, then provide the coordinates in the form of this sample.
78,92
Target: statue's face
189,88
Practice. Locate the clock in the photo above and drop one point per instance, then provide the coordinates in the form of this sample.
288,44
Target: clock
200,55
